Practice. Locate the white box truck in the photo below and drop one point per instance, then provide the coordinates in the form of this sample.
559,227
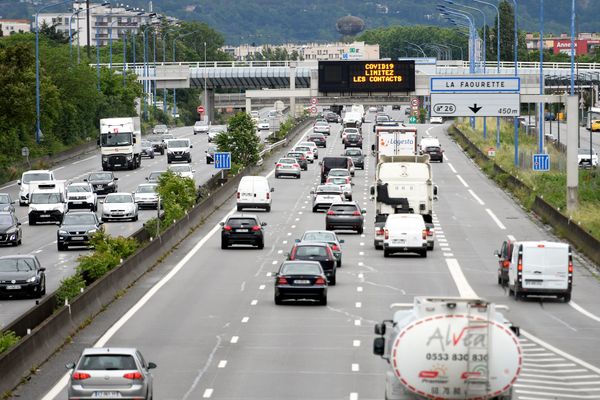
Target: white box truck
449,348
395,141
120,143
403,184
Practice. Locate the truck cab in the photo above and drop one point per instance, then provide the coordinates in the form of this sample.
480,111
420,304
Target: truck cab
120,143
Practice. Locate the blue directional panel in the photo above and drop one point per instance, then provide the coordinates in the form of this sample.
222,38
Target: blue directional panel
223,160
541,162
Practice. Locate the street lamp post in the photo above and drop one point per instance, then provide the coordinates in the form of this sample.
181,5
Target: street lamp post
110,43
145,69
38,131
207,111
98,57
541,104
124,58
516,45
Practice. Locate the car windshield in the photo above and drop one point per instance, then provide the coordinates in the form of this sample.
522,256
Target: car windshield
320,236
311,251
322,123
382,118
4,199
78,189
118,198
160,127
38,176
302,148
79,219
6,220
107,362
167,136
301,269
178,143
241,222
350,130
45,198
200,123
180,168
154,138
353,136
146,144
117,139
146,189
296,155
17,264
154,175
353,152
100,176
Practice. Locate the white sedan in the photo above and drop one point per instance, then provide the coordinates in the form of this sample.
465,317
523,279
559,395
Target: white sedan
183,170
119,206
263,125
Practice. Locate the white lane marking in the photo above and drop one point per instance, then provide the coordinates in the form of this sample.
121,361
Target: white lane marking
245,320
356,343
38,251
361,253
243,286
452,167
476,197
358,304
254,302
511,238
285,242
274,262
279,251
464,289
234,339
222,364
269,273
207,393
357,322
448,254
79,161
7,186
584,311
359,289
362,243
353,396
446,157
460,178
57,169
496,220
261,287
355,367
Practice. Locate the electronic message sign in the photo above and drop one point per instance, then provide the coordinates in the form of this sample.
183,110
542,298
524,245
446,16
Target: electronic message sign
367,76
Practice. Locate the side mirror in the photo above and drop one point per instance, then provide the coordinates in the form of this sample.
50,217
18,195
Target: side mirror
372,147
19,182
206,151
18,224
516,330
98,142
146,178
380,329
151,365
379,346
296,240
191,145
497,253
85,180
70,365
363,211
101,201
312,192
272,190
435,190
222,223
193,171
134,140
42,269
116,179
372,190
342,241
320,162
263,224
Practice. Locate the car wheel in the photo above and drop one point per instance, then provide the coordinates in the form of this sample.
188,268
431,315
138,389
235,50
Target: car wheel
168,161
60,247
207,160
430,247
268,208
32,221
340,263
261,245
333,279
162,152
424,253
500,281
104,219
276,176
298,176
43,288
386,253
323,300
328,228
20,241
224,245
314,209
278,300
567,297
239,208
22,204
135,218
359,230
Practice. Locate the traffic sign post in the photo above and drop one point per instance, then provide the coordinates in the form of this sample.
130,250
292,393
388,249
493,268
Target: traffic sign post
541,162
200,109
481,96
222,160
314,101
313,109
414,102
412,119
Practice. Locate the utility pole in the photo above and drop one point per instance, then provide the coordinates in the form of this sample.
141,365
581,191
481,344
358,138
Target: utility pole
89,31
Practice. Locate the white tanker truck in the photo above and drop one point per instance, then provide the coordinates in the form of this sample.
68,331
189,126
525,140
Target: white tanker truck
449,349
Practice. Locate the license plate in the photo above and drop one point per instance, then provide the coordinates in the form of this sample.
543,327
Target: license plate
242,230
13,287
77,238
302,281
117,165
44,216
327,197
105,395
533,283
76,202
399,241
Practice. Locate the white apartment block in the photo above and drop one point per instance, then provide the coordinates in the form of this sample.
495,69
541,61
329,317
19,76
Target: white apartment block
12,26
313,51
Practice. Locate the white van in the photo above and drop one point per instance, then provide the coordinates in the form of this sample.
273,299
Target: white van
179,150
27,178
254,192
405,233
428,141
541,268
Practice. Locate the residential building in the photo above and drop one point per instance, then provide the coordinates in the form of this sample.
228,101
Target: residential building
585,43
312,51
11,26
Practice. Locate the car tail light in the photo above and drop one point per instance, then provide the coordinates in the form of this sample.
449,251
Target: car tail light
335,247
238,195
227,227
256,228
429,232
386,233
356,213
347,179
268,195
330,212
279,165
424,233
320,281
379,232
293,253
296,165
79,376
282,280
330,252
133,375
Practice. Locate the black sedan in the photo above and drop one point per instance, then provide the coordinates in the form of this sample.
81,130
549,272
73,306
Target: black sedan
10,229
346,215
103,182
76,229
357,156
158,145
332,117
353,140
299,156
320,252
435,153
318,139
22,275
242,229
300,280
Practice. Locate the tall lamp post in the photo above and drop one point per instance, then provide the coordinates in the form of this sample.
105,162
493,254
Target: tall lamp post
110,24
541,118
76,13
175,60
516,45
207,111
38,131
145,69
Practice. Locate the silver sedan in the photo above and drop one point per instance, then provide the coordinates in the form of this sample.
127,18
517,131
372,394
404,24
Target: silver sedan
287,166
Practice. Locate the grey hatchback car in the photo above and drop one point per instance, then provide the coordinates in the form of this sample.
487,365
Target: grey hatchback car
111,373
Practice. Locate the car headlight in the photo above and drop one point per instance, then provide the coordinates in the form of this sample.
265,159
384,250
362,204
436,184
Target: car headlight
129,157
62,232
169,151
104,158
32,279
111,184
92,231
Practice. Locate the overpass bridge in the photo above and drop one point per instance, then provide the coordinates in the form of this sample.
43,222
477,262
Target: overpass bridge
266,81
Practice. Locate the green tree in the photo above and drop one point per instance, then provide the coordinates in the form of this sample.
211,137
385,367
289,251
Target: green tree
177,194
241,140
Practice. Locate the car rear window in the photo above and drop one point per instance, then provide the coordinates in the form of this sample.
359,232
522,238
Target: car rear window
320,236
311,251
300,269
353,152
287,161
107,362
239,222
343,207
432,148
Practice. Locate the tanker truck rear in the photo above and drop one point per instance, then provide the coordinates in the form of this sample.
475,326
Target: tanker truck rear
449,349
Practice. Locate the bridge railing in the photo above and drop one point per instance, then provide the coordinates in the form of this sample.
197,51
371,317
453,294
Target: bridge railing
492,65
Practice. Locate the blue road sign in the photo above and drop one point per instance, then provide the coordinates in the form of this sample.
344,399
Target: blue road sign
541,162
223,160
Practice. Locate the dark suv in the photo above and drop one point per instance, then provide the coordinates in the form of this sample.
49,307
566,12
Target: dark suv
103,182
353,140
242,229
22,274
357,156
346,215
76,229
321,252
157,143
435,153
504,256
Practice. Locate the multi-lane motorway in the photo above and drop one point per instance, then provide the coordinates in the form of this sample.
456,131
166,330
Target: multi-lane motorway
207,317
41,238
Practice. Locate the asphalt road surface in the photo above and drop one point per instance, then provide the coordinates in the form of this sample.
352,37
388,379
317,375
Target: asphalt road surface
207,316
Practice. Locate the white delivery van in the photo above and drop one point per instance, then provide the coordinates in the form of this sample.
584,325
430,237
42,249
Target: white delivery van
28,177
541,268
428,141
254,192
405,233
179,150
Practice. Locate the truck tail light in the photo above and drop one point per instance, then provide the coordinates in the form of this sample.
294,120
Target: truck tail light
268,195
386,233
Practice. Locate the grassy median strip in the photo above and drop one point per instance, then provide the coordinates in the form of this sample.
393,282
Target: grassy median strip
550,185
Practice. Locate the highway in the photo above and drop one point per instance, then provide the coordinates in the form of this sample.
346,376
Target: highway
214,331
41,238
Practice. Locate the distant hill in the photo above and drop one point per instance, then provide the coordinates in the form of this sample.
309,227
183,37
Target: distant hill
277,21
